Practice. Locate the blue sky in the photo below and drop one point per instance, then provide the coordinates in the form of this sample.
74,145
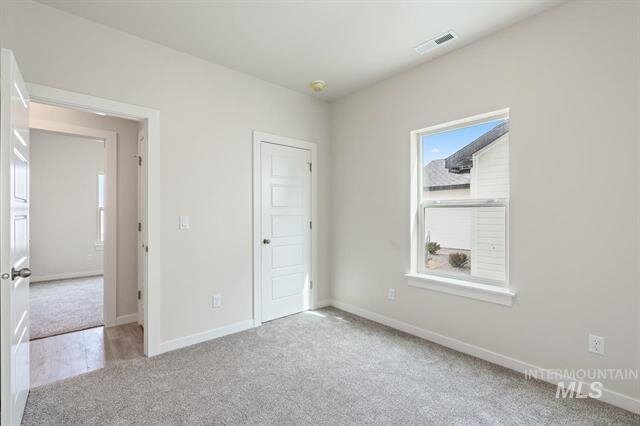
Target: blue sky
442,145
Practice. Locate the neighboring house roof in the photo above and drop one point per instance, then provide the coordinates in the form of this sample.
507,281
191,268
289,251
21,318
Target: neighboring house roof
461,161
436,177
453,172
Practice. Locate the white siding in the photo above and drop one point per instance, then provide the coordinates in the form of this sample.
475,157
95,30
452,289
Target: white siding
490,173
450,227
490,179
488,233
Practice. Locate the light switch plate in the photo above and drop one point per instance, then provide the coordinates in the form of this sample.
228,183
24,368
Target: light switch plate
184,222
216,301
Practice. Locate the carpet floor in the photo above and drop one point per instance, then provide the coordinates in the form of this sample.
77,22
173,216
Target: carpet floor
323,366
63,306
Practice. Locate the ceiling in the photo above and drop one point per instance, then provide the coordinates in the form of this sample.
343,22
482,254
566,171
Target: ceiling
349,44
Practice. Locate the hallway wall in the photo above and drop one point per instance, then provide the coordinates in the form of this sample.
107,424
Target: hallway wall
63,186
127,197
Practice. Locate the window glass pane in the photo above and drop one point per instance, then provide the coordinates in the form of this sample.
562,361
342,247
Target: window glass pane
468,162
101,224
466,242
100,191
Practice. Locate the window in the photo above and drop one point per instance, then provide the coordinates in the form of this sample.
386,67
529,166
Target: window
462,200
100,211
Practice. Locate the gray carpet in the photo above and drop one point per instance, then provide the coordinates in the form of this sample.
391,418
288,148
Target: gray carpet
59,307
317,367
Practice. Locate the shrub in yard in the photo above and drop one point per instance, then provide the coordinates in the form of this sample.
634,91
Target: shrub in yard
458,260
433,248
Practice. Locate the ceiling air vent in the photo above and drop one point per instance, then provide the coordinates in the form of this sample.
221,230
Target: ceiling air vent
423,48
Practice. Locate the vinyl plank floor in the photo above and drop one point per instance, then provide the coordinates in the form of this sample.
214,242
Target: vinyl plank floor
67,355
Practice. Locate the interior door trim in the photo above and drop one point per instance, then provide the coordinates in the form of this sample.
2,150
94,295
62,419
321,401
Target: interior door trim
152,178
258,139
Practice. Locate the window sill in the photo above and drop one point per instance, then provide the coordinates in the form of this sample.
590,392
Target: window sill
99,246
484,292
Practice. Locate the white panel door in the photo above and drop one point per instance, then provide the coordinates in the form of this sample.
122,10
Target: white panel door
286,233
14,240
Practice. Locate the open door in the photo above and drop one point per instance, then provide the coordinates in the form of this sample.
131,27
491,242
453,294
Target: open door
14,241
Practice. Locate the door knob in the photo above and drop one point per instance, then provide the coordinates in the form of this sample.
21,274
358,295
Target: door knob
266,241
22,273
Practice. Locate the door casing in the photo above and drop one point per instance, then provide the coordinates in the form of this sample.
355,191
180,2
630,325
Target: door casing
258,139
151,161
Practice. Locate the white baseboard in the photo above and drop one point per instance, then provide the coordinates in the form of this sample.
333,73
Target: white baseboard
323,303
67,276
205,335
127,319
611,397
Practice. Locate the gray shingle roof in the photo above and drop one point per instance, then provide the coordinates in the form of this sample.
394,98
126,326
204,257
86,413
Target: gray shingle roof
461,161
436,177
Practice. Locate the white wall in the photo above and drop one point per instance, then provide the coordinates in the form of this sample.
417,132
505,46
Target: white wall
449,227
63,187
570,77
127,193
207,115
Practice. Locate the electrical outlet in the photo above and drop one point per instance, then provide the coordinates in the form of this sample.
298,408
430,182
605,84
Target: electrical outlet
391,295
596,344
184,222
216,301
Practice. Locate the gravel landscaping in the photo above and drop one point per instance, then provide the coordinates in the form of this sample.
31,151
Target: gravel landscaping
440,262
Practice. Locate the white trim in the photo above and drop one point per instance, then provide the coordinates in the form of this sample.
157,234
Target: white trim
323,303
472,290
100,242
417,277
152,284
258,138
66,276
205,335
126,319
463,122
611,397
111,202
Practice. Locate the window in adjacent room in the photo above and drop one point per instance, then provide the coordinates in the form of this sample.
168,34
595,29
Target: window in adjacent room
100,211
463,200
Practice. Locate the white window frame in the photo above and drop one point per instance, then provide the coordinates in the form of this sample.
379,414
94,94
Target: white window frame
99,237
418,276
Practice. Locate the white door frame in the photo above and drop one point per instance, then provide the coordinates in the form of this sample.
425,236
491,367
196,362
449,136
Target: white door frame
151,118
111,211
258,139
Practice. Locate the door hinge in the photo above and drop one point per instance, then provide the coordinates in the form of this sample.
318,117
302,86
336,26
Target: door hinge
310,225
139,294
139,160
310,284
139,226
146,249
310,167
